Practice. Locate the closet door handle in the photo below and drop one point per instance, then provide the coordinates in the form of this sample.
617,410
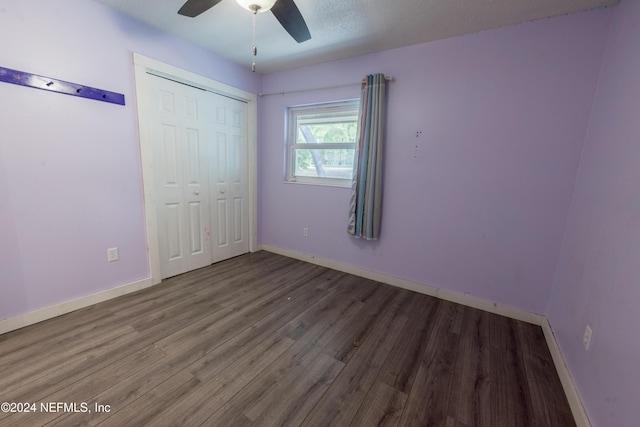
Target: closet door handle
197,193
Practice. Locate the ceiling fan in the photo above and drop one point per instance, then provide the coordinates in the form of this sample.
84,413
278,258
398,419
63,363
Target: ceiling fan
285,11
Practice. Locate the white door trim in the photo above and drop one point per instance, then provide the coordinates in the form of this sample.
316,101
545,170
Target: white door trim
143,65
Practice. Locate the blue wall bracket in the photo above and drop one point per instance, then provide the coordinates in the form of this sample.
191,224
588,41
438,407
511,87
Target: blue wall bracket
40,82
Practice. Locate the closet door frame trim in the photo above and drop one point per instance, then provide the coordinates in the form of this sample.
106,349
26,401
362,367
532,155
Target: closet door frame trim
144,65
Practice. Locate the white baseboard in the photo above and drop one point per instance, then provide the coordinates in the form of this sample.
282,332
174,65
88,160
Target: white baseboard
27,319
577,409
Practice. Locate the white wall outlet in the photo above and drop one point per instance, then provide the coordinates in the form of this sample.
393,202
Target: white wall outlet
586,338
305,231
112,254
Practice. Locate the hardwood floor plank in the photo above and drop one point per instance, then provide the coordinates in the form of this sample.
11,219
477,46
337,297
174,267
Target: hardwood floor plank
469,402
458,319
501,336
382,407
146,301
228,416
46,363
319,324
217,326
122,394
549,408
343,399
427,403
357,330
510,397
83,390
242,280
173,318
451,422
345,296
144,410
532,341
66,338
275,384
548,402
21,343
230,321
215,360
206,399
401,367
298,395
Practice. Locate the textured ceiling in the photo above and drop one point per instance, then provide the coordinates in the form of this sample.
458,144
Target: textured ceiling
340,28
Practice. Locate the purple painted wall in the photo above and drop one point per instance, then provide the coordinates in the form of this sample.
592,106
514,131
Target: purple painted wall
482,208
598,276
70,178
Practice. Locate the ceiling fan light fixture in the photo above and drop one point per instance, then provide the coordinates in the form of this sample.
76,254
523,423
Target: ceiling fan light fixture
256,6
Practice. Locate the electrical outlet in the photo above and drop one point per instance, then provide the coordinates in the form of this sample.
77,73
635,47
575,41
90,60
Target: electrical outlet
305,231
586,338
112,254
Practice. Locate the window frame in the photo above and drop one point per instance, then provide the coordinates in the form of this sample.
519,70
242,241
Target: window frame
348,105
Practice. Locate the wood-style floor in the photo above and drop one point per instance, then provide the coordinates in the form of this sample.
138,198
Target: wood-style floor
264,340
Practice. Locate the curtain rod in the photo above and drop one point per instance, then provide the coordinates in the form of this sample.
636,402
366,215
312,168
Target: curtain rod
387,78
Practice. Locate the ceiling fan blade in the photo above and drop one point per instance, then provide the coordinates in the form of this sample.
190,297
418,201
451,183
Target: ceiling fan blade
193,8
291,19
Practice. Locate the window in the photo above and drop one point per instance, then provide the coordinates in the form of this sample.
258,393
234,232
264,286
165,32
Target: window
321,143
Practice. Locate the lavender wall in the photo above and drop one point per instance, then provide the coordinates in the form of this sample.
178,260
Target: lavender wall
70,179
598,276
482,208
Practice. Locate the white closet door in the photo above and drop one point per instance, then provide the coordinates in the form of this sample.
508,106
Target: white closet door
229,179
180,136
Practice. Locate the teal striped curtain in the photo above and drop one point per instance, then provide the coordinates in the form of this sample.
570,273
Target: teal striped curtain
366,194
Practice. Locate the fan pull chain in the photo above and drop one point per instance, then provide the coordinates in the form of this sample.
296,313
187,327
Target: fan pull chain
255,49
